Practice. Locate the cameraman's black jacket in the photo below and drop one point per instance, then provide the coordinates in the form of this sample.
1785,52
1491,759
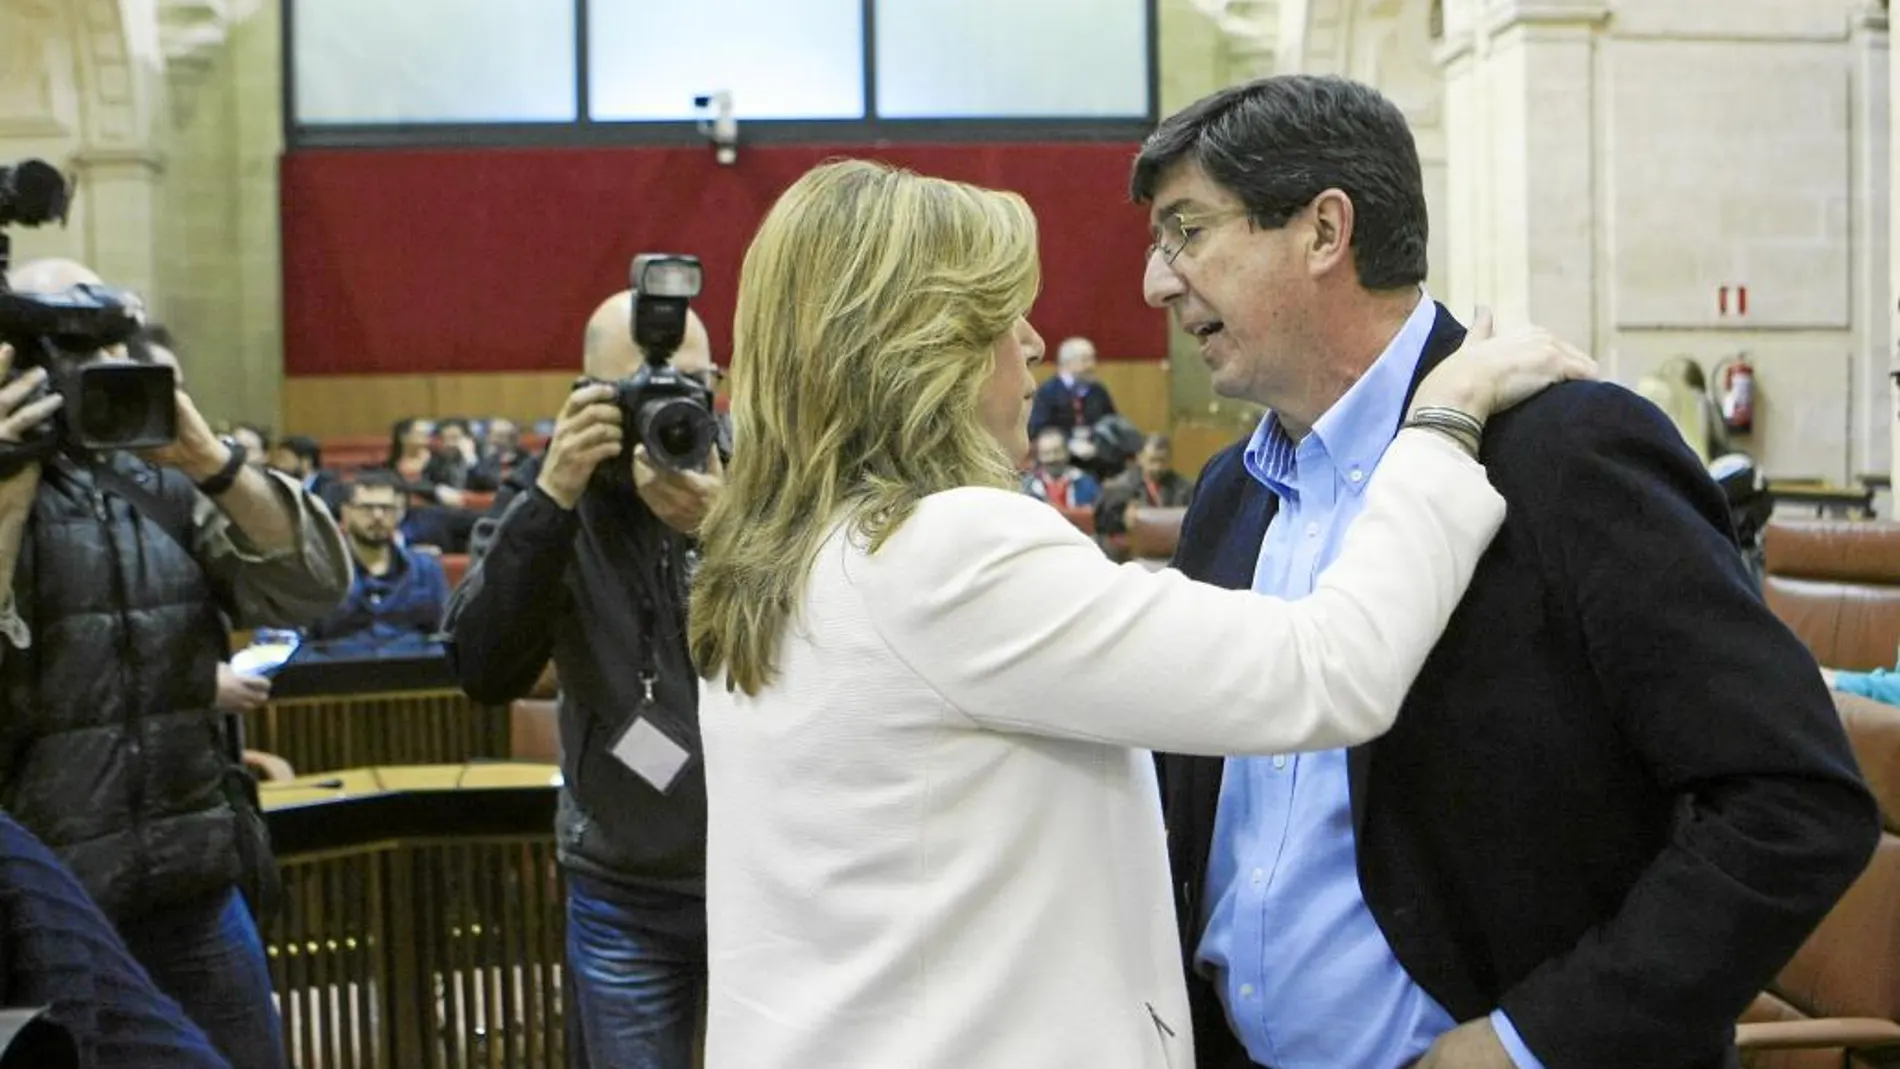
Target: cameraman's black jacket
110,751
601,589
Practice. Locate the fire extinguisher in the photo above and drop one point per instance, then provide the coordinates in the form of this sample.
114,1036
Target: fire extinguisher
1734,390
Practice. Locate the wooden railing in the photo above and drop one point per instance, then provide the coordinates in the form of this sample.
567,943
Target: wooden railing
423,922
408,727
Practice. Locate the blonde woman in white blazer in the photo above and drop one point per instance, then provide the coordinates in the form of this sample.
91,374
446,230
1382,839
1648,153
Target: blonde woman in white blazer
934,840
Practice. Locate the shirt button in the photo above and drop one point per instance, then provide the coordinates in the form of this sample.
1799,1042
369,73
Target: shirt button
1259,876
1246,990
1357,476
1279,760
1312,530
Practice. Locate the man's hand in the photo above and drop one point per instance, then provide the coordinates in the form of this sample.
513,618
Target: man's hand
1472,1045
196,451
679,498
17,416
586,433
268,766
240,693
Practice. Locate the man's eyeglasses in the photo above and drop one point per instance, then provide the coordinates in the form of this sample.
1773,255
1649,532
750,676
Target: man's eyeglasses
376,508
1173,233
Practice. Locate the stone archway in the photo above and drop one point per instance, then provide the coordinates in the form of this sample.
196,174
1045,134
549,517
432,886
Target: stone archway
79,85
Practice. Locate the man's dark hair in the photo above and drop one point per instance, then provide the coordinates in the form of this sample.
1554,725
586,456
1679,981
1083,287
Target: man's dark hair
1279,142
303,447
373,479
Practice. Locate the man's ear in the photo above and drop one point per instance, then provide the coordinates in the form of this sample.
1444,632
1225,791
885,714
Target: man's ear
1332,223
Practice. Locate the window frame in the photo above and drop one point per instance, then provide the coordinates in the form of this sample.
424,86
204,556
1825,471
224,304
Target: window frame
587,131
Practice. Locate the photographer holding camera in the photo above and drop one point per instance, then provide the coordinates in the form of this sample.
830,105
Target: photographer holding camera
129,535
591,567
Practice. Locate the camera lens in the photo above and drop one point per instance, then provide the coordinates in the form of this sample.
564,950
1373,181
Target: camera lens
677,432
115,406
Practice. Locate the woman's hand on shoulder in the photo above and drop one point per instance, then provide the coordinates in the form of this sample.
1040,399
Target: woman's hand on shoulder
1494,370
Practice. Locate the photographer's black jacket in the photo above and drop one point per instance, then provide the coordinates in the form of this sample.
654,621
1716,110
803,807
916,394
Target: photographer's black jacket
602,590
110,750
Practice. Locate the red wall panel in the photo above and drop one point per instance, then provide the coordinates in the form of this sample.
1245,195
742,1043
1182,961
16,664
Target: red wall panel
490,260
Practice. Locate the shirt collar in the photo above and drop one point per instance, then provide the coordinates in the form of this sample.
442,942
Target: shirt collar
1352,435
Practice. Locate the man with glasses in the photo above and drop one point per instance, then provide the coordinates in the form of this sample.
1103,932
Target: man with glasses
1617,798
399,593
592,572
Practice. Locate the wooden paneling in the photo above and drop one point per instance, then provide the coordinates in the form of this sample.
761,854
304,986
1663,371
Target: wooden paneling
523,396
337,405
334,405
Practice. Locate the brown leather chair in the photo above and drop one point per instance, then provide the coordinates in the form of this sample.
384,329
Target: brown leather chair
1836,583
1083,518
1837,1003
1154,532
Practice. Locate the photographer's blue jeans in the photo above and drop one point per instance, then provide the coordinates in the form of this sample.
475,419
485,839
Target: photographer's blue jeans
639,964
208,956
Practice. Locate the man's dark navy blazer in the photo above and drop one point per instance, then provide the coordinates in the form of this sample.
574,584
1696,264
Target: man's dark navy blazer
1618,797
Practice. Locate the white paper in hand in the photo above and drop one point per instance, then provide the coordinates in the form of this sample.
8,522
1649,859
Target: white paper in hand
650,754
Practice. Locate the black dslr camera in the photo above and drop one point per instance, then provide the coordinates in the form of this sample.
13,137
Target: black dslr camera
670,413
109,405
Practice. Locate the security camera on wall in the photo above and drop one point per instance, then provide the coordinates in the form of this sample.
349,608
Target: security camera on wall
719,125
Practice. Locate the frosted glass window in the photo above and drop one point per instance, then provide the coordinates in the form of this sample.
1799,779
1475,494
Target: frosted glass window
782,59
973,59
431,61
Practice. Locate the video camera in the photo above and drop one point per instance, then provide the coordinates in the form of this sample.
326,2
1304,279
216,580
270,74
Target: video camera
670,413
109,405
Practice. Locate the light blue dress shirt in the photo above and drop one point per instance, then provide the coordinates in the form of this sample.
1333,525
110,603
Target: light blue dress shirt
1307,977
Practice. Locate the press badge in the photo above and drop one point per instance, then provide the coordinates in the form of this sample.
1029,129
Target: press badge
649,752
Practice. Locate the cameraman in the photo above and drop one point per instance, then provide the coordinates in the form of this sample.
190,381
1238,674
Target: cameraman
595,576
116,570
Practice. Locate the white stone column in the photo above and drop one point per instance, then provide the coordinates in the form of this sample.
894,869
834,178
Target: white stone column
117,211
1872,412
1521,135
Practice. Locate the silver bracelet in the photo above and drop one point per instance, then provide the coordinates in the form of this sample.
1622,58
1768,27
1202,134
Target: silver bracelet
1451,417
1458,435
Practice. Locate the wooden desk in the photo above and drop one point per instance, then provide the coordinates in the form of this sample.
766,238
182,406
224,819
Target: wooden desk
424,918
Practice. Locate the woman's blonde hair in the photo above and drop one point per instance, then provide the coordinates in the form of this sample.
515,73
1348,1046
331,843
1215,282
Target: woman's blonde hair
868,305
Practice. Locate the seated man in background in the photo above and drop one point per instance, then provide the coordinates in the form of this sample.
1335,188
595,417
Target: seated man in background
398,595
255,440
457,462
1074,401
1151,483
1054,479
300,457
503,455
